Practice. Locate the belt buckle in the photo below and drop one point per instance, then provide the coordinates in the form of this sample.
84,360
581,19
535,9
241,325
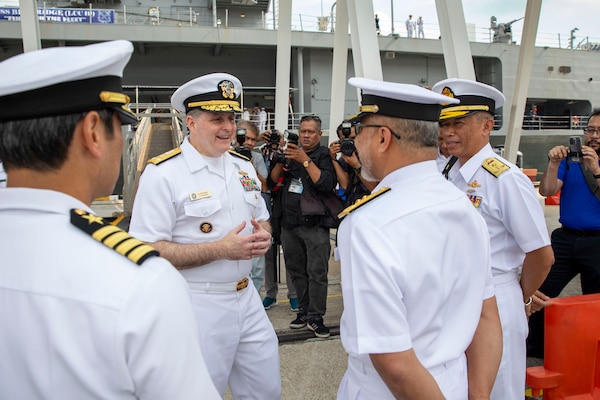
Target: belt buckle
242,284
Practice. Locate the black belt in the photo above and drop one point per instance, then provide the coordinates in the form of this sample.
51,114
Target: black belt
581,233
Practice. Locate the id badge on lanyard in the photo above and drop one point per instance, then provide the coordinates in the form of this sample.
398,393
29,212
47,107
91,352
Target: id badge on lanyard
296,186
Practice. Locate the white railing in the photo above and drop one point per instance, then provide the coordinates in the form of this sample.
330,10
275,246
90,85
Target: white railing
196,16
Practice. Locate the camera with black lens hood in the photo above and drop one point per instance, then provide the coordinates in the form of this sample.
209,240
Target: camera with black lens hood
346,144
273,143
278,157
240,138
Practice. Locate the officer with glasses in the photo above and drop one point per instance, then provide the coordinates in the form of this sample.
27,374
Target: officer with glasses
420,318
576,243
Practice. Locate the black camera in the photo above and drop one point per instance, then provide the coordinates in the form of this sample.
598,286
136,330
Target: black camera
278,157
292,137
346,144
240,137
575,153
273,143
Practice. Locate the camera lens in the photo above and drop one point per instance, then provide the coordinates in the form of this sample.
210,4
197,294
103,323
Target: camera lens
347,147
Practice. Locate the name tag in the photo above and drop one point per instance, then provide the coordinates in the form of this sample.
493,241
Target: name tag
199,195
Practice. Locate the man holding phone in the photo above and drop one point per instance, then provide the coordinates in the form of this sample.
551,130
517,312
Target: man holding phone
576,243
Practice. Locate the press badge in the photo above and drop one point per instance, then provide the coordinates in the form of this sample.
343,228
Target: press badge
296,186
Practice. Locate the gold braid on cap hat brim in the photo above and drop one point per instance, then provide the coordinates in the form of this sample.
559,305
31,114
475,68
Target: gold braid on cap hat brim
216,105
114,97
459,111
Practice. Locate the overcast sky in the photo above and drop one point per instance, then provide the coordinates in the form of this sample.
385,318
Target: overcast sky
557,16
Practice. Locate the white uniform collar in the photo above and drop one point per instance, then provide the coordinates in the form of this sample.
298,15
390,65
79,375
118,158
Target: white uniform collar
471,167
196,161
408,175
43,200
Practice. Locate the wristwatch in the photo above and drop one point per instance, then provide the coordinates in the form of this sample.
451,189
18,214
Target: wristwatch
305,163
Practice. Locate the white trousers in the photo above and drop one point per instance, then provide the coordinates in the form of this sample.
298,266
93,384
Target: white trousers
238,343
361,381
510,381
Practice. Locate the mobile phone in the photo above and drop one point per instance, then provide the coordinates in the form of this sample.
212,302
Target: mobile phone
575,153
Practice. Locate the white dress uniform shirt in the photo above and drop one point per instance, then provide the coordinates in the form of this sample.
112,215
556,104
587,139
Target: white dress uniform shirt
516,225
191,198
196,199
80,321
414,276
510,207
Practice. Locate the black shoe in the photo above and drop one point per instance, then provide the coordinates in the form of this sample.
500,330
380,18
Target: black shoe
299,322
320,330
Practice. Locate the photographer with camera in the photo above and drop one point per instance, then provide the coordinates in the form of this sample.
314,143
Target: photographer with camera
308,180
347,166
576,244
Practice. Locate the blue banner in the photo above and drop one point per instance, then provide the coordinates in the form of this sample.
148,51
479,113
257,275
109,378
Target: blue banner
64,15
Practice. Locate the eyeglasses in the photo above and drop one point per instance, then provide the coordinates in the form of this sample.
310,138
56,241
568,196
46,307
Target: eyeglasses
591,131
313,117
358,128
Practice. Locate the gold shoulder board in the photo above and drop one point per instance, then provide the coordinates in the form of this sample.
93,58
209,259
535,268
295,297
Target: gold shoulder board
165,156
494,166
238,155
112,236
362,201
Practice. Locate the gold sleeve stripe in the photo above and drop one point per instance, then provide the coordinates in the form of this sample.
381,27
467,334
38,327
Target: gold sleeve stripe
113,240
126,246
140,253
105,231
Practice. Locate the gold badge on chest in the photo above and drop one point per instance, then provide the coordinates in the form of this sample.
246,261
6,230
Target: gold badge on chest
206,227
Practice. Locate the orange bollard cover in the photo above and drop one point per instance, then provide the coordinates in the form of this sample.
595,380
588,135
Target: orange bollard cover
571,357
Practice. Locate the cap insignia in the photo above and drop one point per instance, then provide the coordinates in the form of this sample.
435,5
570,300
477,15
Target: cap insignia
227,89
448,92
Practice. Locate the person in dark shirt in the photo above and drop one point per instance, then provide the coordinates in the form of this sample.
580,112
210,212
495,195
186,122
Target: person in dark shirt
308,177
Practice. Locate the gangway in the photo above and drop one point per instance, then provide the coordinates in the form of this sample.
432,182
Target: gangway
159,130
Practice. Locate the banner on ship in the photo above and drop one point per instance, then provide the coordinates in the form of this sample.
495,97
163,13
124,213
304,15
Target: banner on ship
64,15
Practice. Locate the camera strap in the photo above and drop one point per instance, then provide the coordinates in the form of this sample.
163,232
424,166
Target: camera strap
590,180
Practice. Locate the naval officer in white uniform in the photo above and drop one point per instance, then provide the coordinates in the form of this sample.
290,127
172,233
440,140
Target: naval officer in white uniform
201,206
506,198
86,311
418,299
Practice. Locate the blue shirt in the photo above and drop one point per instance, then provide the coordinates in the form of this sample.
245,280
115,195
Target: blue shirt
579,208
